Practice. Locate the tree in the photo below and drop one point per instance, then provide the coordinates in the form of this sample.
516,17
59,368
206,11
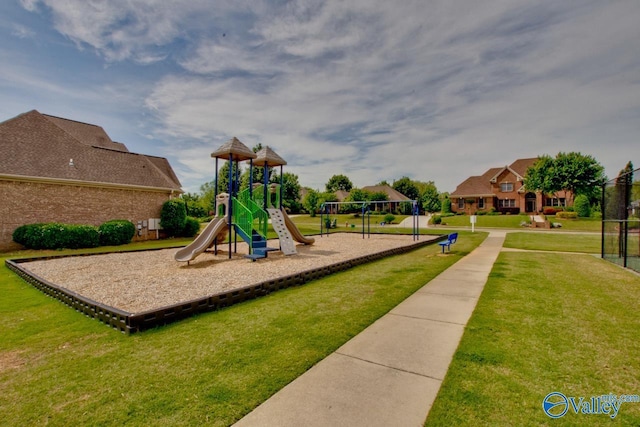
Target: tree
405,186
291,192
429,197
339,182
311,201
541,176
194,206
223,176
207,196
575,172
579,173
258,171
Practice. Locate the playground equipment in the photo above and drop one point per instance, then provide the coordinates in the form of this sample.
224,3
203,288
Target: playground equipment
216,229
328,207
246,213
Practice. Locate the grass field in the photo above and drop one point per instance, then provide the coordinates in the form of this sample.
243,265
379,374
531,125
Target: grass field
514,221
60,368
545,323
589,243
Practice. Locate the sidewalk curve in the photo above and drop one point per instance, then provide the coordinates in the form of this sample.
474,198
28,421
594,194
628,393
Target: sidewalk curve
390,373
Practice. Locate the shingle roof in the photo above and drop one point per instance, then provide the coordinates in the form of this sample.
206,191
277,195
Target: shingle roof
235,147
342,195
34,145
87,133
476,185
271,157
393,194
520,166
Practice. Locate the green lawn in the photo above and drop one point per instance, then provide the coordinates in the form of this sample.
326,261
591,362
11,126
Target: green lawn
589,243
60,368
545,323
514,221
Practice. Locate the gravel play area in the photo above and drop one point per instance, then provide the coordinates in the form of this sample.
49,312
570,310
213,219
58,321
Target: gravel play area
140,281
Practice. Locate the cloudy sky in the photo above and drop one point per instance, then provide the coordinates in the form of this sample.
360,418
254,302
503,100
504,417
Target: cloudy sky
376,90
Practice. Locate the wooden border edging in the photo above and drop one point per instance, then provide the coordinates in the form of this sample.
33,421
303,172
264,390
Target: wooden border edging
136,322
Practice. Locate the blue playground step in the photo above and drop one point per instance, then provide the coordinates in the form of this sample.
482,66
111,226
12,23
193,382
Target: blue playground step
259,247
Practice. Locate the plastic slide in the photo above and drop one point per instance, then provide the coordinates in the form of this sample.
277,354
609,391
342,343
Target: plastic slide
216,227
295,233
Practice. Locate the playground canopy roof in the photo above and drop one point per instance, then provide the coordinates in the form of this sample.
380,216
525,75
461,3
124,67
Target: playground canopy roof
236,148
270,157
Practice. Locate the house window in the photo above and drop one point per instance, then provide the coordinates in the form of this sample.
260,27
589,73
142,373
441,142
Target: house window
506,187
460,203
481,203
507,203
554,201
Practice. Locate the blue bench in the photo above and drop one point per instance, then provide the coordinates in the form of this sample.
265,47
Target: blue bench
451,239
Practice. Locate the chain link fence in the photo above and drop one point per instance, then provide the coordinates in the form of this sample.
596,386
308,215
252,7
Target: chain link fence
621,221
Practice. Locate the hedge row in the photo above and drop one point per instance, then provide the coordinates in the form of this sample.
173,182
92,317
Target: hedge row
116,232
567,215
58,236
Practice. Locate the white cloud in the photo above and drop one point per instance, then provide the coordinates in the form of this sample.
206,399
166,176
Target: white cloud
377,90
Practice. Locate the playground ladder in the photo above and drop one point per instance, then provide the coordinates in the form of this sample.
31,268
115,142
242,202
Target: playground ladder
287,246
243,221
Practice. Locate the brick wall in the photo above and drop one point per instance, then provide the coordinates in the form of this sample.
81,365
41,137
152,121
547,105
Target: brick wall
31,202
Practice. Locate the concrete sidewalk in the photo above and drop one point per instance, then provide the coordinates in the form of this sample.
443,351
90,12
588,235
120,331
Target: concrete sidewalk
389,374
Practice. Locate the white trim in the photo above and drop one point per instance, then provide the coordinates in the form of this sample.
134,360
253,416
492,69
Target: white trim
79,183
519,177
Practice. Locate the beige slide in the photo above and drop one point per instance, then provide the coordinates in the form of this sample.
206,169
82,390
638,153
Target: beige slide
217,226
295,233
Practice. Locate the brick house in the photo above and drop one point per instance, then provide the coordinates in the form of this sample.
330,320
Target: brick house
503,189
58,170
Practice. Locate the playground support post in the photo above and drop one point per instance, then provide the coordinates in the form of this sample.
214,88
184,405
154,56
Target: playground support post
215,205
230,209
416,220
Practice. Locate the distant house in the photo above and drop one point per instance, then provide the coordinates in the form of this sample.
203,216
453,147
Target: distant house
394,197
58,170
502,189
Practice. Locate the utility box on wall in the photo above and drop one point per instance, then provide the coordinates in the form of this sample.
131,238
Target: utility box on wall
154,224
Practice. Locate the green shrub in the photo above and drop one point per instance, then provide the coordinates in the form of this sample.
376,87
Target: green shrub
436,219
57,236
480,213
582,206
20,234
116,232
191,227
389,218
446,205
567,215
173,217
